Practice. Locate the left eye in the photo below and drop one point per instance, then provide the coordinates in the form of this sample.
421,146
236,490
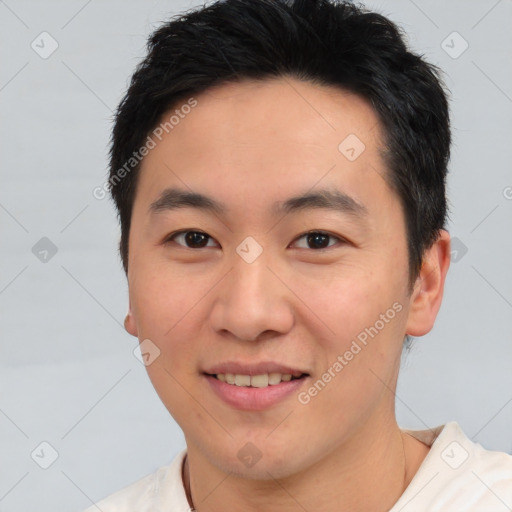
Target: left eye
191,239
318,239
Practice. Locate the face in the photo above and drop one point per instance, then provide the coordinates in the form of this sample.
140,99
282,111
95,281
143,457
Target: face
263,284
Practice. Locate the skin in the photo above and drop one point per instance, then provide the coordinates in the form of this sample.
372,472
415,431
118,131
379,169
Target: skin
248,145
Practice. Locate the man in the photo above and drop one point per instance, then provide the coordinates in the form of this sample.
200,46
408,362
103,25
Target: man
279,172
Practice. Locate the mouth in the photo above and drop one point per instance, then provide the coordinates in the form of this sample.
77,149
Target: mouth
254,388
262,380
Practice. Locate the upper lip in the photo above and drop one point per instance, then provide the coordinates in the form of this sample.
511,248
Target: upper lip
253,368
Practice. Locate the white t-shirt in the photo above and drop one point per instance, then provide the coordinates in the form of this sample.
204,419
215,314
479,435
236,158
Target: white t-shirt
457,475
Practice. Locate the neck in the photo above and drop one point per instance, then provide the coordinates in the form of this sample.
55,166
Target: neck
366,473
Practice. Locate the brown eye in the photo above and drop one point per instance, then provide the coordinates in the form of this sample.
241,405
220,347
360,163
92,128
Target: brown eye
191,239
318,240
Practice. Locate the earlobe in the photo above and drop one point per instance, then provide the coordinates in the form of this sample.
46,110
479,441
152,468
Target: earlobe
129,322
428,290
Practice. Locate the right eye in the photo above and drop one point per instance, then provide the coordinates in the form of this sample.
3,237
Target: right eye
190,239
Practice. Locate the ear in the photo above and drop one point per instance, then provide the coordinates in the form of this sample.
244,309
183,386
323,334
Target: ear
129,322
428,290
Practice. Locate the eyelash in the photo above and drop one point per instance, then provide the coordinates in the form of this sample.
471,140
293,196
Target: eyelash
171,238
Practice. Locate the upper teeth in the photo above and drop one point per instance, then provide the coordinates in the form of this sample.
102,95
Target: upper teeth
256,381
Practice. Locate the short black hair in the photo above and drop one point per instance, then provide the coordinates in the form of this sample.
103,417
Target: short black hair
332,43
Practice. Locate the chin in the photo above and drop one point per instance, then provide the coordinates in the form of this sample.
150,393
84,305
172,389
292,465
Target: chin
260,460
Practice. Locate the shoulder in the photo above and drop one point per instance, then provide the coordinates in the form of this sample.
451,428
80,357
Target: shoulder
163,487
458,474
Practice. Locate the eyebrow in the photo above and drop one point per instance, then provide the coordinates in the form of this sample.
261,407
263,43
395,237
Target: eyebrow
328,199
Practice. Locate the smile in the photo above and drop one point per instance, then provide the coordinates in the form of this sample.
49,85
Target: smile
254,392
256,381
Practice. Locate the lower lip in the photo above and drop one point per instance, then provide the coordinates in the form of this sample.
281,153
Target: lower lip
254,399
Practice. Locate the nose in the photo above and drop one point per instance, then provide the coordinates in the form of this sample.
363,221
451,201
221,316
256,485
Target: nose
252,303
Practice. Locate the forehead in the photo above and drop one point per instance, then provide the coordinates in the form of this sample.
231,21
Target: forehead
265,141
276,111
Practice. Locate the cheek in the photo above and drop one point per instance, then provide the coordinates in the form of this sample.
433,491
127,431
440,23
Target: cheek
165,307
160,298
361,318
343,301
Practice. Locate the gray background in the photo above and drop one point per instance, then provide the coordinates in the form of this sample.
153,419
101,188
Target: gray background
68,375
